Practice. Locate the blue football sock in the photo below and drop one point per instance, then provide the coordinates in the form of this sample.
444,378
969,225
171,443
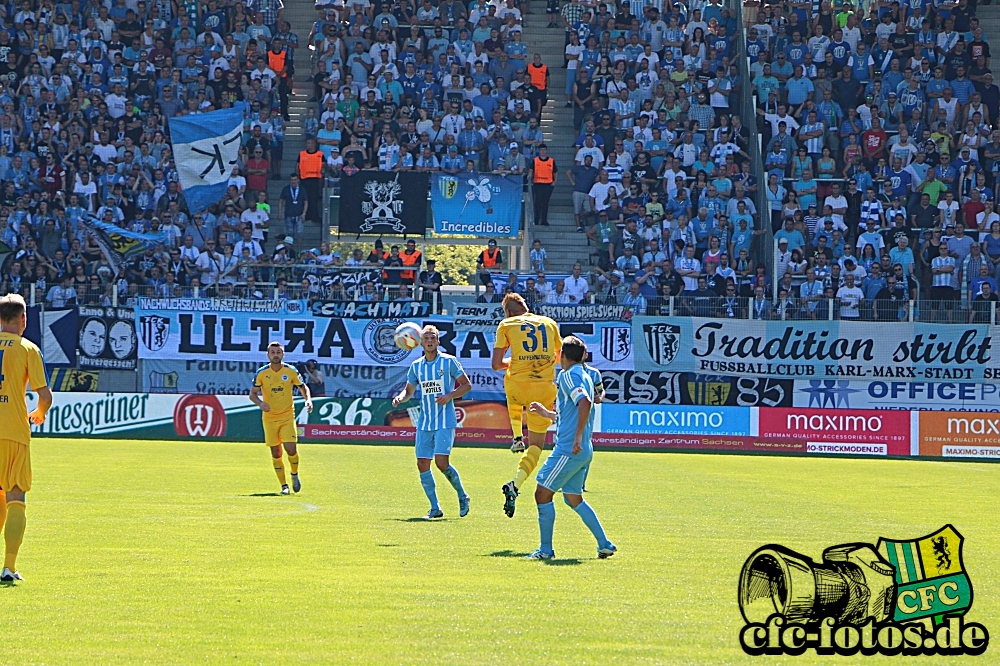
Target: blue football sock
546,524
591,521
427,481
456,482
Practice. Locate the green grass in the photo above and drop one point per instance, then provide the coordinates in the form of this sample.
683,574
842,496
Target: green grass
162,553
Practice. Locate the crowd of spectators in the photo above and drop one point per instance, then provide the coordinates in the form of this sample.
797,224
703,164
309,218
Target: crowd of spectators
662,180
88,88
315,274
427,86
881,150
877,124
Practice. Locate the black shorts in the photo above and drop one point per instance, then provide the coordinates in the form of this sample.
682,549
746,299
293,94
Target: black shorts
946,295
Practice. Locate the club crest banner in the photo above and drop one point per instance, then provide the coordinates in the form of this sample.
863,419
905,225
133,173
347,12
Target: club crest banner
380,202
482,204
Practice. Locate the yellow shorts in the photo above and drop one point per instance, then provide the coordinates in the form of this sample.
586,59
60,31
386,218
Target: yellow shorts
15,465
521,393
277,433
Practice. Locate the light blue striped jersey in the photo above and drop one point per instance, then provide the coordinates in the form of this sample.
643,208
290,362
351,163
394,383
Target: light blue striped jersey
573,385
595,376
432,379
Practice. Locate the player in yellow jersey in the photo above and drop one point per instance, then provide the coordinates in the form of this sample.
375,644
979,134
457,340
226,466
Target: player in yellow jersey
20,365
276,381
530,371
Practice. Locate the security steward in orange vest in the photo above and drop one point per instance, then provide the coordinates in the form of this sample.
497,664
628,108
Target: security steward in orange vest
490,261
538,74
411,259
543,175
311,175
280,64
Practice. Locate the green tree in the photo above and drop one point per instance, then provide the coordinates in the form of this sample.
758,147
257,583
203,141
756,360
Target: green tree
457,263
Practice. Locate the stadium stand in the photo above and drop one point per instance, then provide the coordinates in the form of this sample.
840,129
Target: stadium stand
671,126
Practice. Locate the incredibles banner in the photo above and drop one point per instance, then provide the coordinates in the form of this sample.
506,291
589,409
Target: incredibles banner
481,204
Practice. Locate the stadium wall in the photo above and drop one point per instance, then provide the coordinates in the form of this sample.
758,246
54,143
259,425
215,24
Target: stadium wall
960,435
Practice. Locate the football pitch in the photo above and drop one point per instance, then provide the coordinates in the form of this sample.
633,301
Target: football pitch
182,553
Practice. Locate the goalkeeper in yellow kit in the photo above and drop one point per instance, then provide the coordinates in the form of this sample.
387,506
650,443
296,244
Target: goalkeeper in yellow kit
276,381
535,344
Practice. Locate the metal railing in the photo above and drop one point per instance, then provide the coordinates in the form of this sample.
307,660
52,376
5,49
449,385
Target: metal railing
760,250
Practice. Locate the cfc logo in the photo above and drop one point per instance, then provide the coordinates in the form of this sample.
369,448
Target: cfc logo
199,416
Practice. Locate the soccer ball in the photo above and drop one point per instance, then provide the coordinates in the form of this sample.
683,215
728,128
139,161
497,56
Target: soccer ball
407,336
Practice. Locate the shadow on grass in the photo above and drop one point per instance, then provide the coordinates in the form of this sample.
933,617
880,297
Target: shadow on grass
521,555
506,553
263,495
387,545
418,520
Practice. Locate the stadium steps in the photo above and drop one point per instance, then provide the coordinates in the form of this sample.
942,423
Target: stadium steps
301,16
989,21
560,240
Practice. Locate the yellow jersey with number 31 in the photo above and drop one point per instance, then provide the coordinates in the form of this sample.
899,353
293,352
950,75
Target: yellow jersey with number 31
20,364
276,387
534,344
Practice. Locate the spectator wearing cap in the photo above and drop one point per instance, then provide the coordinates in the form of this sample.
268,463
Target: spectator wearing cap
515,162
378,256
430,281
452,163
489,261
782,258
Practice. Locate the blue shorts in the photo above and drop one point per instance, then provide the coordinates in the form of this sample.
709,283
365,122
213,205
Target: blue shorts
565,473
432,443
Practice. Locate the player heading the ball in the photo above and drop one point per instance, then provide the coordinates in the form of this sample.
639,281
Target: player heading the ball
534,343
441,380
276,381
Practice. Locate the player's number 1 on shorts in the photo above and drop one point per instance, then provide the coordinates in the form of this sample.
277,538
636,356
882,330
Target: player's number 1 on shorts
533,332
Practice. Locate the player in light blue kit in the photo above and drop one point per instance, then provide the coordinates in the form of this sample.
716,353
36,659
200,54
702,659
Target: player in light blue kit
595,376
569,463
441,381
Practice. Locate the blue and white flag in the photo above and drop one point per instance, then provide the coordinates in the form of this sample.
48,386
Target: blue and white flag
481,204
120,245
206,146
